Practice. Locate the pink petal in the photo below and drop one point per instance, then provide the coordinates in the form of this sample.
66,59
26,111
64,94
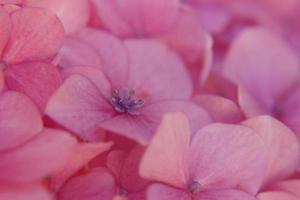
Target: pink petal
76,52
20,120
132,18
112,52
224,195
37,80
82,154
142,126
163,192
67,11
36,34
5,30
258,58
290,186
130,178
169,148
38,158
115,161
97,184
28,192
227,156
79,106
221,109
281,143
276,196
149,73
93,74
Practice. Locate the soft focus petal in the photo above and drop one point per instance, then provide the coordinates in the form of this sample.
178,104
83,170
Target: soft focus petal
281,143
82,154
20,120
149,73
263,64
276,196
38,158
169,148
224,195
28,192
36,34
290,186
36,80
67,11
97,184
221,109
135,17
162,192
79,106
227,156
5,30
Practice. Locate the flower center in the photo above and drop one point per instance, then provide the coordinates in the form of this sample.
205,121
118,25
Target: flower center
124,102
194,187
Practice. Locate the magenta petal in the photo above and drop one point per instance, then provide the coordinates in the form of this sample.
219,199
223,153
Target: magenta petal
38,158
5,30
224,195
276,196
162,192
28,192
20,120
290,186
82,154
112,52
263,64
97,184
149,73
169,148
67,11
221,109
281,143
227,156
79,106
36,34
36,80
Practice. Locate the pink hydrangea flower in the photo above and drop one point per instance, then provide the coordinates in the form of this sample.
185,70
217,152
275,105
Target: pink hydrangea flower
218,162
129,101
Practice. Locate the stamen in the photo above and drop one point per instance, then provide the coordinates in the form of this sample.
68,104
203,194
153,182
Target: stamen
124,102
194,187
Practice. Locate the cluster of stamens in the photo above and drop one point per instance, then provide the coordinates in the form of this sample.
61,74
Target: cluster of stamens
124,102
194,187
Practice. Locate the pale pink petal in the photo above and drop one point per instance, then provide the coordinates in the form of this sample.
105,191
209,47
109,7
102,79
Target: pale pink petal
5,30
130,178
28,192
76,52
95,185
221,109
224,195
290,186
82,154
36,34
227,156
163,192
135,17
112,52
141,127
38,158
281,143
149,74
20,120
276,196
263,64
93,74
169,148
79,106
36,80
67,11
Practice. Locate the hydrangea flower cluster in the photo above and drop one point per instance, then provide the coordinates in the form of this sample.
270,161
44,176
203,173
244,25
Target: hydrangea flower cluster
149,100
